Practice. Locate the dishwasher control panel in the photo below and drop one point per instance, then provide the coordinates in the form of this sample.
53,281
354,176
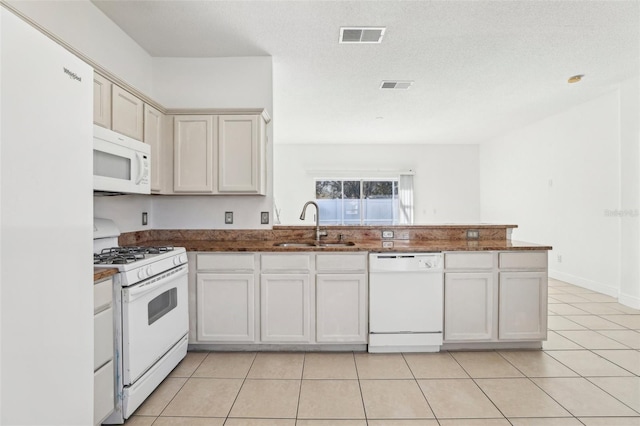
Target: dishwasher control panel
408,262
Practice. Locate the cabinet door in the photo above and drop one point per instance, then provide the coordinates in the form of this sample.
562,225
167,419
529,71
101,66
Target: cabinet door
153,136
240,154
285,308
523,306
101,101
468,306
193,153
341,308
225,307
126,113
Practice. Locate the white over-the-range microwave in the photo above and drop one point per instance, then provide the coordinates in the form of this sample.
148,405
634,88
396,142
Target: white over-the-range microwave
120,163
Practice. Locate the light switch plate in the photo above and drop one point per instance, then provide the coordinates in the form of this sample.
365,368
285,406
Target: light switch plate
145,218
228,218
264,218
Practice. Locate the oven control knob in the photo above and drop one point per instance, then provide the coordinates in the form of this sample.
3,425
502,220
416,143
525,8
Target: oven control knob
183,259
176,261
149,271
141,274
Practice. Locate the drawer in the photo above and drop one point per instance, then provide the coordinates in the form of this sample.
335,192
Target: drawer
341,262
466,260
102,338
102,295
225,262
285,262
523,260
103,393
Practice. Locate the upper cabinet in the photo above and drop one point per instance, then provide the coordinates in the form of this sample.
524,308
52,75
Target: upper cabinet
117,109
153,136
101,101
126,113
193,153
241,154
220,154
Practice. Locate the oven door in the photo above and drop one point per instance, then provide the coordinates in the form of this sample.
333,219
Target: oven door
154,318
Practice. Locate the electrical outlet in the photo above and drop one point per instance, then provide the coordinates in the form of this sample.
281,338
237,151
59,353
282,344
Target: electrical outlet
387,234
264,218
145,218
228,218
387,244
473,234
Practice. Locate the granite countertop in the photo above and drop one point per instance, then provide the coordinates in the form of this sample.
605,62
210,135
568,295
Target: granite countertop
100,274
361,245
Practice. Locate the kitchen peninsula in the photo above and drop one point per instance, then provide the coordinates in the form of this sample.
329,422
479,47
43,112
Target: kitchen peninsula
279,289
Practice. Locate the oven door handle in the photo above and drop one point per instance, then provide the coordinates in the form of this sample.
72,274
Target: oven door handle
134,292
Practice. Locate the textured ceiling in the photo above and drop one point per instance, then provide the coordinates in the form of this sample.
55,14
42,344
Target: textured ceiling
481,68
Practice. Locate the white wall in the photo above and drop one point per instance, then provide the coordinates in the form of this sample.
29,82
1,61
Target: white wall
630,193
446,186
556,179
124,210
83,26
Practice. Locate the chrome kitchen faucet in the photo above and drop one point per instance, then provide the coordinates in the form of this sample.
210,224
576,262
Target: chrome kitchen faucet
319,233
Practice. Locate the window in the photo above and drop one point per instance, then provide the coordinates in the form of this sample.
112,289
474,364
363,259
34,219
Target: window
358,201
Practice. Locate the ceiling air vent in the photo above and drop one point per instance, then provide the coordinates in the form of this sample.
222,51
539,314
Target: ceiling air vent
395,84
361,34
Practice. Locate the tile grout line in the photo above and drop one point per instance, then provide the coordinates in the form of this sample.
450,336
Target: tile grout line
304,358
176,394
244,380
419,387
364,407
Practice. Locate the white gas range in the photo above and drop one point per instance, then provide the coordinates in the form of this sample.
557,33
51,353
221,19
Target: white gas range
151,319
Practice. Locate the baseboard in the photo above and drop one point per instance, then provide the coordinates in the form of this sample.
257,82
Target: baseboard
630,301
585,283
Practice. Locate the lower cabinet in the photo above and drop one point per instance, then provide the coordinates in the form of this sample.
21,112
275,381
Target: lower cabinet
469,307
225,307
341,308
103,349
495,297
225,285
523,306
285,308
280,298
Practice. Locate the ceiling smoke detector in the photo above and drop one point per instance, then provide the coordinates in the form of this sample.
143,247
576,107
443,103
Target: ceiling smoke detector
361,34
396,84
575,79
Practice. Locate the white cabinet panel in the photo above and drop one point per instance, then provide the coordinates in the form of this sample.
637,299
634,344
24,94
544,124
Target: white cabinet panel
523,306
285,308
104,392
153,124
341,262
193,153
241,154
103,340
101,101
469,306
523,260
225,307
341,308
285,262
468,260
225,261
126,113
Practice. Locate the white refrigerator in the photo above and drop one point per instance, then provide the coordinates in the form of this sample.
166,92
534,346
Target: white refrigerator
46,277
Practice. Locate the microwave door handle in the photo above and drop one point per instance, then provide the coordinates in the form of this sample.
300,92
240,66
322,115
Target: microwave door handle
141,170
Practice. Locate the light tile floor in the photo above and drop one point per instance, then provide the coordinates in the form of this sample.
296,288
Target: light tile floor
587,374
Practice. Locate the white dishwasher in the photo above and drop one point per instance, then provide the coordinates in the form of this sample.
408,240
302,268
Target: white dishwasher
405,302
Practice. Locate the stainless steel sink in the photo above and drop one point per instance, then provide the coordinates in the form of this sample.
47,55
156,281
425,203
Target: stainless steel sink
291,244
345,244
